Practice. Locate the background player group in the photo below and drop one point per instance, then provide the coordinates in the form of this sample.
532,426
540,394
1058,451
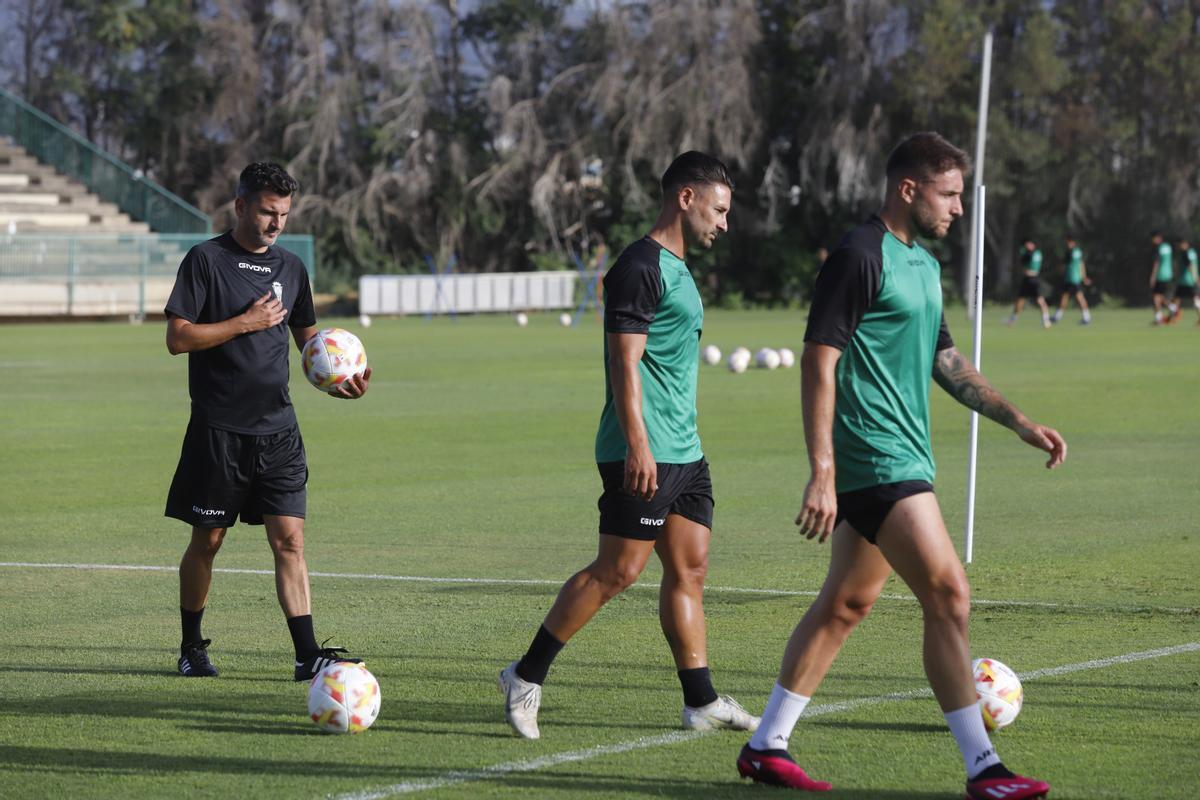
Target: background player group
875,338
1168,305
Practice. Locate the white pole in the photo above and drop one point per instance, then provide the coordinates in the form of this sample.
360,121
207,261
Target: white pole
977,231
977,310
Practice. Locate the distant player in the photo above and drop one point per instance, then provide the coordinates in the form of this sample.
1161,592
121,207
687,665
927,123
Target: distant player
236,299
1161,275
876,333
1185,287
657,493
1031,267
1074,279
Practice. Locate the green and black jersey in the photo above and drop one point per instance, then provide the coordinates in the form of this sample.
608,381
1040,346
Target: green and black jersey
1073,259
1031,262
879,301
1188,264
1166,271
650,291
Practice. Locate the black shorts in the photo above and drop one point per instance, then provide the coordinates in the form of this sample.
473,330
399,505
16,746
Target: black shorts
1161,287
222,475
1185,292
865,509
1030,287
1072,288
683,489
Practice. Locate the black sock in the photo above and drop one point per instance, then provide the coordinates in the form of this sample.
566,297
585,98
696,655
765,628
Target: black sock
992,772
697,687
303,638
191,626
538,658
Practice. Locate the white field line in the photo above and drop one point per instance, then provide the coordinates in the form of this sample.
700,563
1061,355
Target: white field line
370,576
570,756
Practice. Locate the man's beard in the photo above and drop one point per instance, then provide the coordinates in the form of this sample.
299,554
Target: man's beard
927,225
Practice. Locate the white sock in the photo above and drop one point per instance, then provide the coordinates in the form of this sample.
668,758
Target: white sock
1087,316
779,717
967,726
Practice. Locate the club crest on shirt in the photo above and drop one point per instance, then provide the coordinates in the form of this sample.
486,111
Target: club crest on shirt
278,289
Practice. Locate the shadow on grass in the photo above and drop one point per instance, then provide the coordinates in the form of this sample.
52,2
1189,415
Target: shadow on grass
560,783
899,727
59,760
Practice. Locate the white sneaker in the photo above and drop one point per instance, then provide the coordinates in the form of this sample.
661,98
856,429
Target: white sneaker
521,702
724,712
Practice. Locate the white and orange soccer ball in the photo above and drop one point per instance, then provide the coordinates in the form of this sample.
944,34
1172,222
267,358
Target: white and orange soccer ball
343,698
331,357
1000,693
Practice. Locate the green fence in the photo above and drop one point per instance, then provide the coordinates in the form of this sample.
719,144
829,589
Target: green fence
69,153
101,274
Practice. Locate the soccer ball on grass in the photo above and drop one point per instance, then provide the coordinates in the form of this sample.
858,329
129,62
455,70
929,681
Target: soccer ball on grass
343,698
331,357
1000,693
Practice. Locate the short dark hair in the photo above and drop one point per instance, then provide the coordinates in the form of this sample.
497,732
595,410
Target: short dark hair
924,155
263,175
1155,233
696,169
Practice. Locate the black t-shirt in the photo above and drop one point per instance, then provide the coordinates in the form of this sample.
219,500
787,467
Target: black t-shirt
241,385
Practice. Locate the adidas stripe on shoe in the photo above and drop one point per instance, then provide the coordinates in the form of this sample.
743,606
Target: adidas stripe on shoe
193,660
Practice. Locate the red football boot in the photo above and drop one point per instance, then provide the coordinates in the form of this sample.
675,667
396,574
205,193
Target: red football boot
1015,788
776,768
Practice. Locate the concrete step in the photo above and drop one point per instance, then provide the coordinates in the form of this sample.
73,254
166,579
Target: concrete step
15,180
25,201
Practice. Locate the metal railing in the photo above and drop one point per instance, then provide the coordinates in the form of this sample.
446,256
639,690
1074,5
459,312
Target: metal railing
53,143
101,274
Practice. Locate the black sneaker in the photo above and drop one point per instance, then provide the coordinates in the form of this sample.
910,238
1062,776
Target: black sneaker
308,667
193,660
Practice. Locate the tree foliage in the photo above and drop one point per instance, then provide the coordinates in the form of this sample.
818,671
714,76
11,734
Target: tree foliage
516,133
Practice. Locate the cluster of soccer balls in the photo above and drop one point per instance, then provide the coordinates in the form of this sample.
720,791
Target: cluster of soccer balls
564,319
741,358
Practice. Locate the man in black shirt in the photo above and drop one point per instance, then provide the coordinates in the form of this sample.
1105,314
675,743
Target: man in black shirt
242,453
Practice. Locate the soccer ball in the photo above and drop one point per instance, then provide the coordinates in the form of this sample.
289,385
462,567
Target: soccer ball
1000,693
332,356
343,698
766,358
564,319
738,360
364,320
712,355
522,319
786,358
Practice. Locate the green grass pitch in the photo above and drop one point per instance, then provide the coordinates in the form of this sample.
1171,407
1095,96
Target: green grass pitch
472,458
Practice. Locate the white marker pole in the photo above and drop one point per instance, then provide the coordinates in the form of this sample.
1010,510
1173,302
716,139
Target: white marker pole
977,232
977,311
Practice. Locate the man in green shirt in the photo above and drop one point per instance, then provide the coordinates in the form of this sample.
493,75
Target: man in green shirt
875,336
1161,275
657,492
1185,287
1074,279
1031,267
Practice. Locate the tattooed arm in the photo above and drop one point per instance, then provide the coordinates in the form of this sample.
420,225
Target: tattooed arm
964,383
